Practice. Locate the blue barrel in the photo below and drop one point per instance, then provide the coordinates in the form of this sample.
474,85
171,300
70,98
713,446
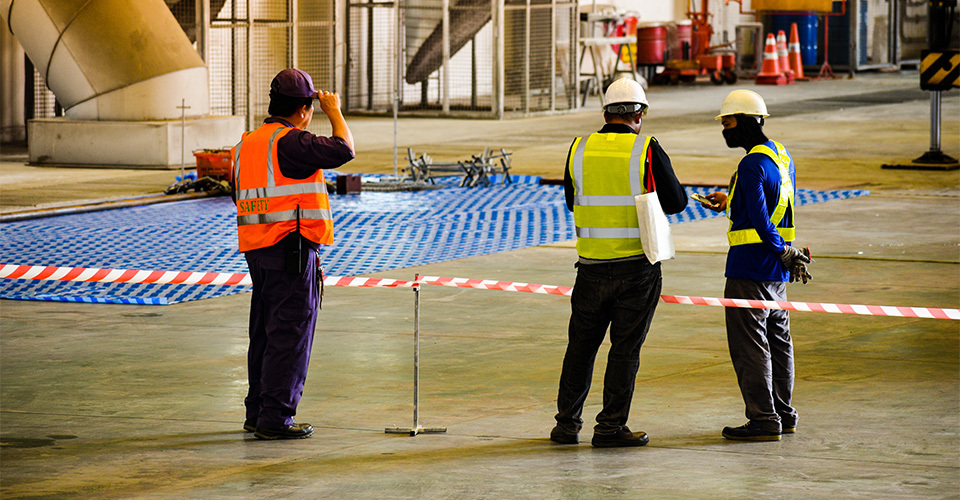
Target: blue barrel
840,35
807,26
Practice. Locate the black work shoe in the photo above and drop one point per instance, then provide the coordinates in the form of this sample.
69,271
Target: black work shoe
750,432
295,431
620,439
557,435
250,425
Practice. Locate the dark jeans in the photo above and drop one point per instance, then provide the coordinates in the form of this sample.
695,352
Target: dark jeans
623,296
762,353
283,315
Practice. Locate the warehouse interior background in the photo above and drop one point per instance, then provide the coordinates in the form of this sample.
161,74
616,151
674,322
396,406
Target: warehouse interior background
107,397
386,56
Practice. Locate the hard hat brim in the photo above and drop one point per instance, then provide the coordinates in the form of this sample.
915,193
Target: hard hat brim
718,117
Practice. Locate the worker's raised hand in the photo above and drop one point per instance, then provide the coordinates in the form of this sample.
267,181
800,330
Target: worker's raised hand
329,101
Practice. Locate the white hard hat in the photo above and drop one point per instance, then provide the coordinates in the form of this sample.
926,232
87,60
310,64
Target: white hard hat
625,91
742,101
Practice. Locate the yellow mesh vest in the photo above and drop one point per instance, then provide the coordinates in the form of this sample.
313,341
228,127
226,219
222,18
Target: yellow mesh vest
607,172
784,202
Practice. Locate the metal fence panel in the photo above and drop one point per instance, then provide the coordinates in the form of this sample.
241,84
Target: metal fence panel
538,65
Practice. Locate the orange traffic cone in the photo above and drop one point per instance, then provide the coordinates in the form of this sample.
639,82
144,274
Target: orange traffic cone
793,53
770,70
782,58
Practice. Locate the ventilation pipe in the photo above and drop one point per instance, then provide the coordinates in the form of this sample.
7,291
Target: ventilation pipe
117,60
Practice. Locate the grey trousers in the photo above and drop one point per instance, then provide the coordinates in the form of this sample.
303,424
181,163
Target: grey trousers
762,353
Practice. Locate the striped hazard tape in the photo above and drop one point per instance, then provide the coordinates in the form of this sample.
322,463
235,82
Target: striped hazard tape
11,271
906,312
93,274
507,286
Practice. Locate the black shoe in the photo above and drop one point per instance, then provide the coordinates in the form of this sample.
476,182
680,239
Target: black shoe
750,432
620,439
250,425
295,431
557,435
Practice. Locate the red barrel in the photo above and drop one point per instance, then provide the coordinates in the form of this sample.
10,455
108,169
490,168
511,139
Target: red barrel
651,44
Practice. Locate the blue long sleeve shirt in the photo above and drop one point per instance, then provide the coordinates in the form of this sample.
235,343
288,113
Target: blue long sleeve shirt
755,198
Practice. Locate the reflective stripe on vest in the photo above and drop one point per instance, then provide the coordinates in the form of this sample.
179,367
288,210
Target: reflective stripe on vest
286,215
270,205
607,173
784,202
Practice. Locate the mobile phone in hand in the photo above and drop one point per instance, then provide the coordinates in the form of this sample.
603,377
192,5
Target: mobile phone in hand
703,199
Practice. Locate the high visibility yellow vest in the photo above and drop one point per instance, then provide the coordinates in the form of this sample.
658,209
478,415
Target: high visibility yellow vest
607,172
784,201
269,205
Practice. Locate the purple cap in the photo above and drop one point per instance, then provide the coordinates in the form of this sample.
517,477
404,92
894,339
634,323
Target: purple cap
293,83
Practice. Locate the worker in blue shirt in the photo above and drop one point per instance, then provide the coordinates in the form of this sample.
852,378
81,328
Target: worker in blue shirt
761,259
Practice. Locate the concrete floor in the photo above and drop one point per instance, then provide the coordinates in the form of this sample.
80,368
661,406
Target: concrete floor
107,401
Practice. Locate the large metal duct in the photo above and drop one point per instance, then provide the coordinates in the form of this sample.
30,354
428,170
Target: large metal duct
111,59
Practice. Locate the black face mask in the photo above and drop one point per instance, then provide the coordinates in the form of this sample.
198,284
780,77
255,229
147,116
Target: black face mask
747,134
732,137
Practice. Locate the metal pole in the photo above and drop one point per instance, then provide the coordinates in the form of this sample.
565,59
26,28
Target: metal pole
416,359
473,72
183,140
445,96
417,428
553,55
293,16
250,46
934,121
203,29
396,83
370,41
526,59
499,70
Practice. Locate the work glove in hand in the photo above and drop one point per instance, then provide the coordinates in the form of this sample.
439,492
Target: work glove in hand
796,262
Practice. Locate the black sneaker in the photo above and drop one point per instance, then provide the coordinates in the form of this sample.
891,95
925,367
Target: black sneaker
250,425
749,432
295,431
621,439
557,435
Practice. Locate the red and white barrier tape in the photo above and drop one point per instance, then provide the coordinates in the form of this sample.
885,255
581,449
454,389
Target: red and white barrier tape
11,271
94,274
507,286
906,312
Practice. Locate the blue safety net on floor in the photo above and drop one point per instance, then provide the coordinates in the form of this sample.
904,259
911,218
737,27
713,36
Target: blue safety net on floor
374,231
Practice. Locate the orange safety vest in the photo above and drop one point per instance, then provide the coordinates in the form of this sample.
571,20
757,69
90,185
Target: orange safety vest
269,205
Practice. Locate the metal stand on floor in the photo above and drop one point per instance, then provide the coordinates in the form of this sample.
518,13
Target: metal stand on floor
935,156
417,428
934,159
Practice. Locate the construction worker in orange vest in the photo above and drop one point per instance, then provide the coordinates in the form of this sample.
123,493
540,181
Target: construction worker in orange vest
283,216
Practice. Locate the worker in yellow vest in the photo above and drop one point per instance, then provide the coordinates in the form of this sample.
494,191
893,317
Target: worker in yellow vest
283,216
760,206
616,286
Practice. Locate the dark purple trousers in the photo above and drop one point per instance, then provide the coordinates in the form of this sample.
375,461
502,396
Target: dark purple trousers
283,314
